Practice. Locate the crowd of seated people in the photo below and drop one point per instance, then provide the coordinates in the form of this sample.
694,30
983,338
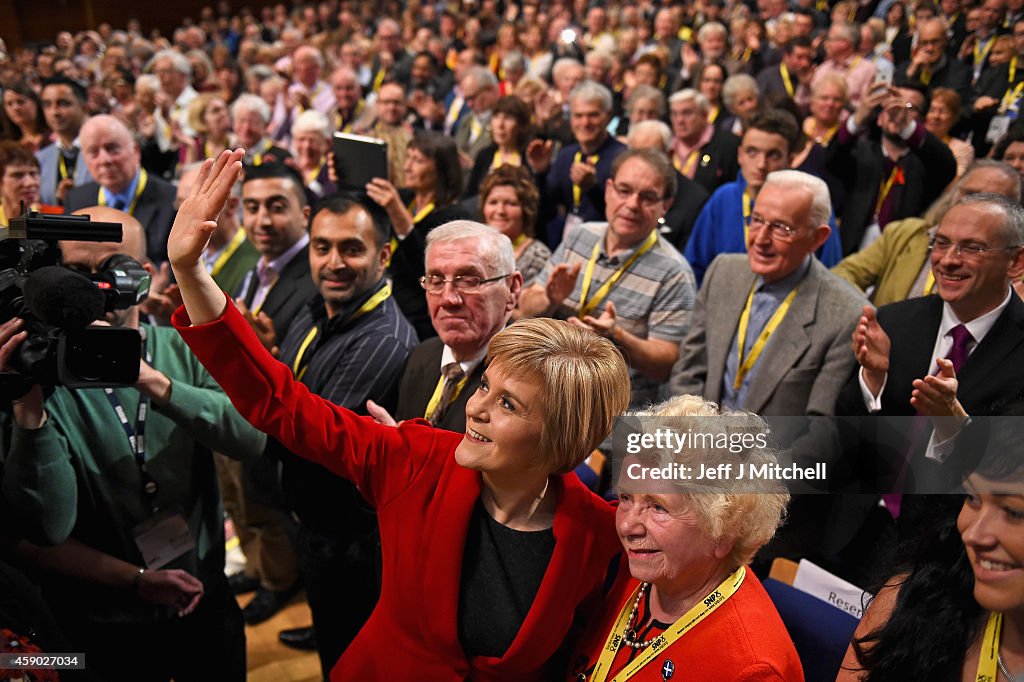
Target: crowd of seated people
401,392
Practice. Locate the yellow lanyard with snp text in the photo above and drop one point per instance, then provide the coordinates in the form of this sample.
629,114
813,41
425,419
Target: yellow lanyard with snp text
988,661
686,622
691,161
587,307
746,362
101,200
980,55
577,191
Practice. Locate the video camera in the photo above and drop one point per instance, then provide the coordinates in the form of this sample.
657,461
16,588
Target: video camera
59,305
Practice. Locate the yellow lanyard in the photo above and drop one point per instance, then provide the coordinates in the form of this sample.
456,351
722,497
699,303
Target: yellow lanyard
257,159
298,369
989,658
980,55
686,622
143,178
577,191
228,251
745,364
499,159
691,161
886,188
519,240
436,397
347,127
786,80
713,114
315,173
746,217
1013,92
62,165
587,307
929,282
378,80
3,216
852,65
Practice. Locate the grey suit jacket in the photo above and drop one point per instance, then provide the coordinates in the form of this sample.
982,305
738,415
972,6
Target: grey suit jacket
805,363
463,131
47,157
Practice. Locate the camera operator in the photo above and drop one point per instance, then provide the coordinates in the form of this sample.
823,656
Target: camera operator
97,467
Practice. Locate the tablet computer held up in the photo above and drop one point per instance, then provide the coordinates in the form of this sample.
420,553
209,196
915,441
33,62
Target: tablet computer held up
359,159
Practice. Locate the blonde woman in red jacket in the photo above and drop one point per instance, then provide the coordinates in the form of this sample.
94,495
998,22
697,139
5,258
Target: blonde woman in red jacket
491,545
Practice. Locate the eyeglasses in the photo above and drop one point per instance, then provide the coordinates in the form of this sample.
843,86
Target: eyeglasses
776,230
968,250
647,197
464,284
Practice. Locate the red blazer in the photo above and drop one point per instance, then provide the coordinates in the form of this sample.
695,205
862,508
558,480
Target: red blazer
423,501
743,640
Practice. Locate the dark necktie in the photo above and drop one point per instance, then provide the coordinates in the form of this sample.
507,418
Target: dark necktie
453,374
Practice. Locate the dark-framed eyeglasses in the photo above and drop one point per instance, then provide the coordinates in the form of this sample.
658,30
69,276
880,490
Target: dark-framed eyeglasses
464,284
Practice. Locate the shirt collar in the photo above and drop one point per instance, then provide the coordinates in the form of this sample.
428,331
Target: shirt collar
979,326
785,285
282,261
468,365
127,195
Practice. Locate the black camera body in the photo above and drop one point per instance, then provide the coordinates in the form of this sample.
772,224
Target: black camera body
60,305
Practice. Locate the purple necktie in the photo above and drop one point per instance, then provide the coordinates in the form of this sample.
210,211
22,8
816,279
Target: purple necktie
920,427
962,341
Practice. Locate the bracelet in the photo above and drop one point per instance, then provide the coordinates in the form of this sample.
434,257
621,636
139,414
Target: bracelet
137,580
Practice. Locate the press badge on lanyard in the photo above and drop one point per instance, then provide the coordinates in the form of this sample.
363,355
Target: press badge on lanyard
164,536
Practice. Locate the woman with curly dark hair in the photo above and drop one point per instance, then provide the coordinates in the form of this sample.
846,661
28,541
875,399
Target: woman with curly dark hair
955,610
21,117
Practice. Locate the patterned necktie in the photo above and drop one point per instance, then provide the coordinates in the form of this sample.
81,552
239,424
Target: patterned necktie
453,374
117,203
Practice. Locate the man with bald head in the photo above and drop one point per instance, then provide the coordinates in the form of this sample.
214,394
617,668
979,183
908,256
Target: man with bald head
79,472
112,156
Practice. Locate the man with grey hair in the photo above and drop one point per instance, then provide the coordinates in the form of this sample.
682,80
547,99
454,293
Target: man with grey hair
770,327
700,151
250,116
175,94
895,266
967,343
689,198
480,91
841,51
619,278
472,286
573,185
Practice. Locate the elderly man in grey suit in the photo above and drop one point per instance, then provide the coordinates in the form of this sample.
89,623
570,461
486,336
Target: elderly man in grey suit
480,90
770,328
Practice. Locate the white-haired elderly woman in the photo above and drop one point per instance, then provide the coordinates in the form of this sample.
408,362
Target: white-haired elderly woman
683,597
311,140
741,97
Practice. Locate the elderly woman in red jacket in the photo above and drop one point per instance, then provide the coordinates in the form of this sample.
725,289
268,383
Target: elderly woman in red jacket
491,546
683,597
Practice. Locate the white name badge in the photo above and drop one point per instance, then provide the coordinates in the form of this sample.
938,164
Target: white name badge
997,128
163,539
819,583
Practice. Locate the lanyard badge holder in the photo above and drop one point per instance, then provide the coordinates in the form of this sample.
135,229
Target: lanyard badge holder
164,536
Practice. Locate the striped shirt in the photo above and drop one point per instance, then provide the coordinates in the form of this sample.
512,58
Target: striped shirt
653,299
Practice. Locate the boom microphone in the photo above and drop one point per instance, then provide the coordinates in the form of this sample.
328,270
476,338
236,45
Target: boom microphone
62,298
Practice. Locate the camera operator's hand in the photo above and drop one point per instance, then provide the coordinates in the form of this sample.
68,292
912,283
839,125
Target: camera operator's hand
28,409
154,384
171,587
193,225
